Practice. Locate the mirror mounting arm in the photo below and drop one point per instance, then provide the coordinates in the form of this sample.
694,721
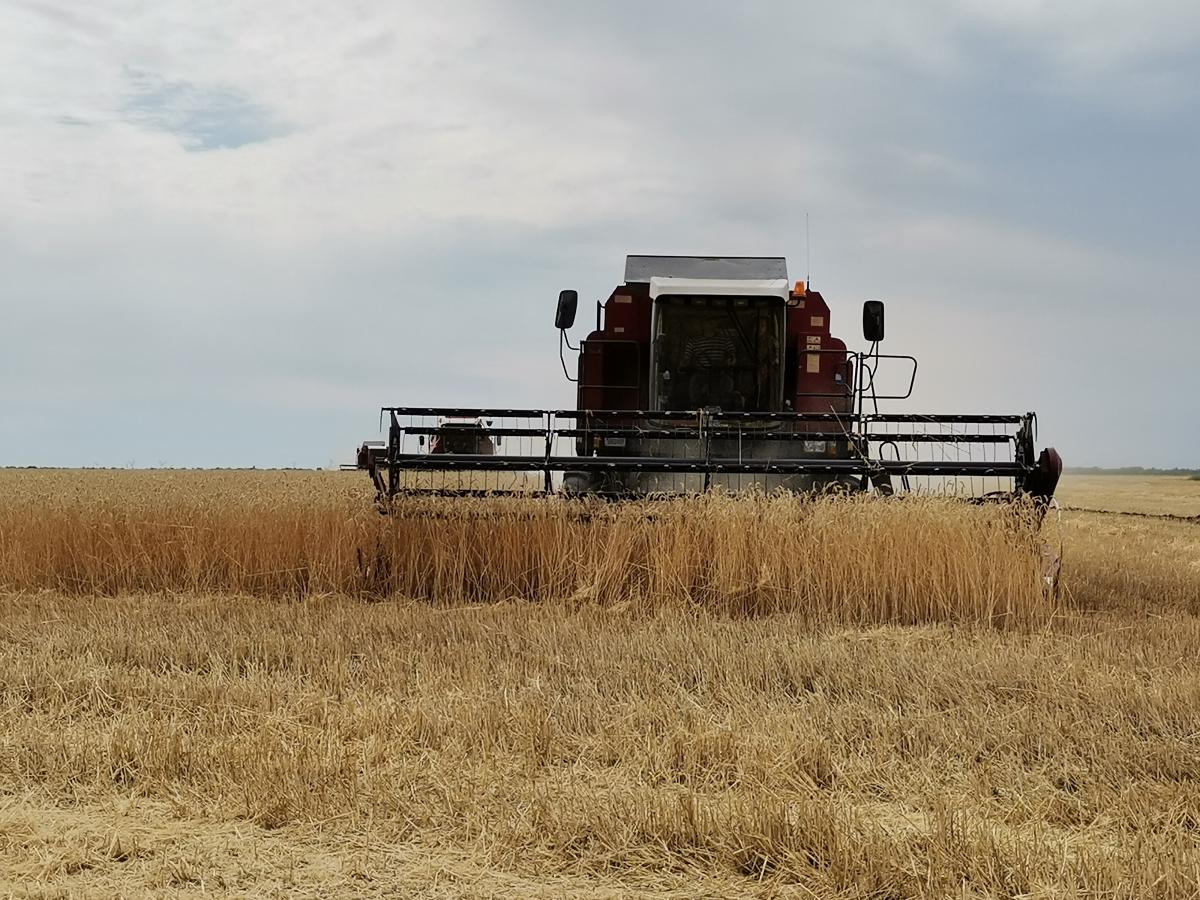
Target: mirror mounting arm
562,339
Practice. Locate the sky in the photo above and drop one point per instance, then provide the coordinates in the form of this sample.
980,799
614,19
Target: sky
230,232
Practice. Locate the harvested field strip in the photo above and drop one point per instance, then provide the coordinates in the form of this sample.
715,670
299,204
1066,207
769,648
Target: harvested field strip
529,741
1170,517
849,560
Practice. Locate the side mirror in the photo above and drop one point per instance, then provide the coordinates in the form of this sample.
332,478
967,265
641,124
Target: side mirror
873,320
564,317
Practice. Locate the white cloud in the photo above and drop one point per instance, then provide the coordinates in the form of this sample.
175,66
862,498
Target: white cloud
405,187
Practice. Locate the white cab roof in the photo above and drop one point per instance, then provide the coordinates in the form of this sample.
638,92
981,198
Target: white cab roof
640,269
720,287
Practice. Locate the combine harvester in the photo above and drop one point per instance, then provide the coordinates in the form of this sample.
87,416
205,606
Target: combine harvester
714,372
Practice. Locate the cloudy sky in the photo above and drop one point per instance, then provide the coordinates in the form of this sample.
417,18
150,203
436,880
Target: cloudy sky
230,231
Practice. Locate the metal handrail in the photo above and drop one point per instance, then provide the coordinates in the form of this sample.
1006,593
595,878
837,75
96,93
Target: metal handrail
815,465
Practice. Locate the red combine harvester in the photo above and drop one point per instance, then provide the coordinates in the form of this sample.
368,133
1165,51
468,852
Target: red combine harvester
707,372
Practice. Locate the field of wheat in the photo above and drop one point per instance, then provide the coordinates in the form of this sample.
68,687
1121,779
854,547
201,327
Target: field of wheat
296,535
252,684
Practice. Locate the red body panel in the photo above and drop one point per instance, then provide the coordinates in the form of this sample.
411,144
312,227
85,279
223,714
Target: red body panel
614,363
817,365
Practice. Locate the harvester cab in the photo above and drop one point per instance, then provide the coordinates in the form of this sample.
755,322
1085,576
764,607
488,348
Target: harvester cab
716,372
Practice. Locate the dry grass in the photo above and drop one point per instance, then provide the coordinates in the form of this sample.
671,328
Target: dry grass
914,561
189,744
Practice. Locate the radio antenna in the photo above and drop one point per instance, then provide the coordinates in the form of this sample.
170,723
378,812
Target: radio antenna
807,254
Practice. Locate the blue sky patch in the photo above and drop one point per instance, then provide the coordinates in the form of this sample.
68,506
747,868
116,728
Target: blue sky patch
203,117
